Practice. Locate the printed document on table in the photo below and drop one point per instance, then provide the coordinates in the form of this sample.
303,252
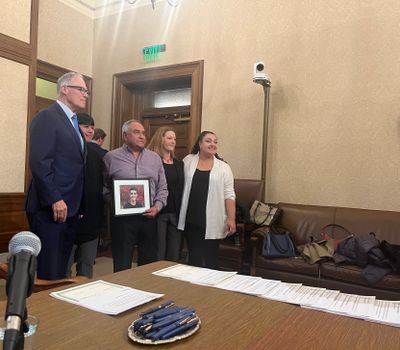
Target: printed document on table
386,312
238,283
193,274
325,300
307,295
282,292
105,297
261,287
178,271
208,277
352,305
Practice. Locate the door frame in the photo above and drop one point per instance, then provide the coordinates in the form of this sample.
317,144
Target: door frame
123,102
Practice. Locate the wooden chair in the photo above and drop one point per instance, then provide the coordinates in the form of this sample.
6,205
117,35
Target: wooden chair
41,284
235,251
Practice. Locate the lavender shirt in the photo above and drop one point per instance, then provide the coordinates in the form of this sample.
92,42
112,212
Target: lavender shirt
120,164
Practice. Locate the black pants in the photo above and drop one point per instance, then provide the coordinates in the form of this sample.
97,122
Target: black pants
128,231
57,240
169,237
202,252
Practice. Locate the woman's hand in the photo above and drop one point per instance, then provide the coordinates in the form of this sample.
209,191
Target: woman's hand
231,226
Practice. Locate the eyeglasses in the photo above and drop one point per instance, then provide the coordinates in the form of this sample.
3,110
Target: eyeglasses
80,89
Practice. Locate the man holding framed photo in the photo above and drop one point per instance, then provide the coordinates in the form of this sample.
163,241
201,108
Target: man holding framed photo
134,162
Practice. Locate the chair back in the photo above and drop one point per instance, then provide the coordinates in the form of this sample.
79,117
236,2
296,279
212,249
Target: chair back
247,191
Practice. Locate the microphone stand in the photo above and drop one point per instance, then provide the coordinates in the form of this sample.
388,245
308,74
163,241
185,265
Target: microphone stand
16,311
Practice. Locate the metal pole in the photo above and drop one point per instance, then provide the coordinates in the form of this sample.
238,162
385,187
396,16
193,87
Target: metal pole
264,153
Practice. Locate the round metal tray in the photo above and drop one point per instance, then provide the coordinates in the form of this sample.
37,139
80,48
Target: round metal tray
139,339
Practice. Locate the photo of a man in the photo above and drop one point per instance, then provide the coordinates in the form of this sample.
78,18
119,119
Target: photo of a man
132,200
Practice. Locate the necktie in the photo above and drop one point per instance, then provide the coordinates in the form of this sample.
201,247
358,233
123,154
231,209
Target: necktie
75,122
76,127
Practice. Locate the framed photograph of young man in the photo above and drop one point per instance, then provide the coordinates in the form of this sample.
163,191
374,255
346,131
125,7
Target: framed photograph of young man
131,196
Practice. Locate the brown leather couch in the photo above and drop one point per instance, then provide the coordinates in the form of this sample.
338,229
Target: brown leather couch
304,221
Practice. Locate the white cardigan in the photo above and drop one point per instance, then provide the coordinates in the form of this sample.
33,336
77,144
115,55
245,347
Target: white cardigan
220,188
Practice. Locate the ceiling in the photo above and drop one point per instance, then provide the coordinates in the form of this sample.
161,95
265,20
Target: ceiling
101,8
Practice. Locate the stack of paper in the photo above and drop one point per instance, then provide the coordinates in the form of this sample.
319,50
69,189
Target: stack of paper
105,297
359,306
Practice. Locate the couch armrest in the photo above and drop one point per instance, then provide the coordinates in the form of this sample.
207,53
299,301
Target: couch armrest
256,242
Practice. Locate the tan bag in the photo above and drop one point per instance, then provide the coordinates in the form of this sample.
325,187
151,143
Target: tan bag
314,252
264,214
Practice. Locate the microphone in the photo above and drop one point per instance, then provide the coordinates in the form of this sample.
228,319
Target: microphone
23,249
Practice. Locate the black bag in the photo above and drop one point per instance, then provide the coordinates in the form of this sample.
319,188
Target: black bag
392,253
278,244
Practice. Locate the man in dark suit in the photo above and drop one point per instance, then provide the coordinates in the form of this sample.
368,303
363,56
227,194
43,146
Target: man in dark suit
56,159
99,136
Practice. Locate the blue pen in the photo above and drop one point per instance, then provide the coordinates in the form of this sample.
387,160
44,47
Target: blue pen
154,309
167,311
173,318
139,323
161,332
181,329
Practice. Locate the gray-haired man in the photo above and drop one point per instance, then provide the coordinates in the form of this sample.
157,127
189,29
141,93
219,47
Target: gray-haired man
131,161
56,159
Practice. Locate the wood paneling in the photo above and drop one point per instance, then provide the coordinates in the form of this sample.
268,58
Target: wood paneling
12,213
12,217
15,50
42,103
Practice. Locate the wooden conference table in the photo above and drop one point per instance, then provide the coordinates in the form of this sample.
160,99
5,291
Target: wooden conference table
229,321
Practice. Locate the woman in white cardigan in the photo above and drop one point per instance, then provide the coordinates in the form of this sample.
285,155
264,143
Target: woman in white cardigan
208,204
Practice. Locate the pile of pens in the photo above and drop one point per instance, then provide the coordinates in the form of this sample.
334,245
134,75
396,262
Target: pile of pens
165,321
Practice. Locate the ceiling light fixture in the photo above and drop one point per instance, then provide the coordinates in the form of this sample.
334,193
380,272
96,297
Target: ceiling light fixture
172,3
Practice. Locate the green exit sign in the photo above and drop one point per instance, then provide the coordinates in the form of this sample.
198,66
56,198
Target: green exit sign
151,53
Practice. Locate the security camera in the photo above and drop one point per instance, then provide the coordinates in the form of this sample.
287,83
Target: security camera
259,76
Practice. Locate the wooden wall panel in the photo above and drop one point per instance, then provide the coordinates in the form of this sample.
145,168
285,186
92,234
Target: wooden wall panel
12,213
12,217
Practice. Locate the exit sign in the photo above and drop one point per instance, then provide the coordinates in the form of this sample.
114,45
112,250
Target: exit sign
151,53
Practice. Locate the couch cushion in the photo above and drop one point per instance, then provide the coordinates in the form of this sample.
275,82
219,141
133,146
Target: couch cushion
352,274
385,224
305,220
296,264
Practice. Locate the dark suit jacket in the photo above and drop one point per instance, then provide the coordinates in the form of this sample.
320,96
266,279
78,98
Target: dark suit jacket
56,160
93,202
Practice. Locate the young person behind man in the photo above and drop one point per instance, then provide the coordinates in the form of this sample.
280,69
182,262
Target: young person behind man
56,159
87,238
134,161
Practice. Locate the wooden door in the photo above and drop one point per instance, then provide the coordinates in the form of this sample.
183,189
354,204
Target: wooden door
132,92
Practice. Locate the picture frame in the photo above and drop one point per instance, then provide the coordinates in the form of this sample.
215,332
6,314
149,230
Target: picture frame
131,196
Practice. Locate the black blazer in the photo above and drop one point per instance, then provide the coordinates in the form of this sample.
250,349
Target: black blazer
56,160
93,216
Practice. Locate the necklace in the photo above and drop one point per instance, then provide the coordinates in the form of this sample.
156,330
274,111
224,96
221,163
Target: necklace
168,160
